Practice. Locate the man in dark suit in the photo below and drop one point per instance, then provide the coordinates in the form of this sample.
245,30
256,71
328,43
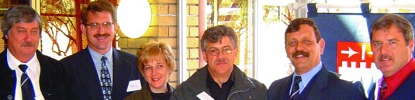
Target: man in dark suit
310,80
101,72
25,72
392,43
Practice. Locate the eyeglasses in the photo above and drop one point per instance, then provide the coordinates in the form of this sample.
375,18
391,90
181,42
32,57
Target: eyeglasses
215,51
96,25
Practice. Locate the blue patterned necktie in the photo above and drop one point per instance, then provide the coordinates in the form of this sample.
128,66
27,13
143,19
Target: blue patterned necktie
27,87
106,83
295,92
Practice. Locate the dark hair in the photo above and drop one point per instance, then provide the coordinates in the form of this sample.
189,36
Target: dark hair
215,34
98,6
19,14
294,26
386,21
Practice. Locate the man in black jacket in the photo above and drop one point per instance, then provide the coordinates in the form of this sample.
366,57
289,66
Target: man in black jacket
25,72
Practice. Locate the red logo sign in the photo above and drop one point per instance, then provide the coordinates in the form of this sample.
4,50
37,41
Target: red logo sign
354,55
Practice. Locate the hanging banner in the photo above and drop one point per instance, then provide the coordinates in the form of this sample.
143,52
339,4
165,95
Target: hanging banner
355,60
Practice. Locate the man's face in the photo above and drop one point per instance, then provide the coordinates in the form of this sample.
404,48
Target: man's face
23,39
100,31
303,50
390,51
220,56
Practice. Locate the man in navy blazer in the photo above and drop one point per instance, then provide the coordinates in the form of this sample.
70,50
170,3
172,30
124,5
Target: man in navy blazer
392,43
101,72
46,77
310,80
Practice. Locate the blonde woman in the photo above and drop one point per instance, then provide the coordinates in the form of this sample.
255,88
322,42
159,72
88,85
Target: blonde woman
156,62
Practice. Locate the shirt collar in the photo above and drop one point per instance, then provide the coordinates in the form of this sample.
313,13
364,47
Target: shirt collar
394,81
32,64
306,77
96,57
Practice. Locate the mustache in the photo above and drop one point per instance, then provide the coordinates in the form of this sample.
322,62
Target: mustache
221,61
27,44
384,56
99,35
296,53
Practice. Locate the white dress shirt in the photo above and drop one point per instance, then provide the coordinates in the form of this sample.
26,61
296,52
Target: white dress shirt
33,72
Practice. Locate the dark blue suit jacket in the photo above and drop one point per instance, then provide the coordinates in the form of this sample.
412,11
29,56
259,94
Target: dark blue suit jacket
54,81
325,85
82,70
404,92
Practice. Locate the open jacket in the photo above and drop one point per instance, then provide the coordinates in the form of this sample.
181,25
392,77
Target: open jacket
86,79
244,88
325,85
54,80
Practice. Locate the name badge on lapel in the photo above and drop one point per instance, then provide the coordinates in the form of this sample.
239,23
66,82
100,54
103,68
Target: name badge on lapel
134,85
9,97
204,96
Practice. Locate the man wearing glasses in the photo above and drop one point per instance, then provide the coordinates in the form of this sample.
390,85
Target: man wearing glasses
220,79
99,71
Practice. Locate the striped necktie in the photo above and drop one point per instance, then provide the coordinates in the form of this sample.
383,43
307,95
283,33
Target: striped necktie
295,92
26,84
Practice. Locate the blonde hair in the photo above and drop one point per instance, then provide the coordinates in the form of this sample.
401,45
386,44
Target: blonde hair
153,50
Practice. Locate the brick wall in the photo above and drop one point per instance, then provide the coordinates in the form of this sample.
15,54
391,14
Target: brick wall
163,28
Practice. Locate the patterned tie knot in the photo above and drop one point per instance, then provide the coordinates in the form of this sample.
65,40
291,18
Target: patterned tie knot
383,88
23,67
103,59
297,79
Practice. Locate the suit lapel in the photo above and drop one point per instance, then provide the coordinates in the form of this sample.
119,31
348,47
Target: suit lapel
44,73
319,83
122,73
287,86
88,74
405,90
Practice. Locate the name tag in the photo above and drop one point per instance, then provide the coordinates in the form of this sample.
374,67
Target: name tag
134,85
204,96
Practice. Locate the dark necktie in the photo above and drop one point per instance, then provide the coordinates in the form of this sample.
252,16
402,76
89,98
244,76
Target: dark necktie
295,92
27,87
383,88
106,83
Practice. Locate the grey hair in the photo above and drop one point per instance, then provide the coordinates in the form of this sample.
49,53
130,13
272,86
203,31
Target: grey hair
19,14
215,34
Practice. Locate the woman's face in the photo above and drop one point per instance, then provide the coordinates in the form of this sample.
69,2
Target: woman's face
156,73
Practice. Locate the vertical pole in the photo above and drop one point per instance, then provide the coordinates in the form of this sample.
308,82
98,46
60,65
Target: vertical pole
78,41
215,12
255,38
181,40
202,28
301,12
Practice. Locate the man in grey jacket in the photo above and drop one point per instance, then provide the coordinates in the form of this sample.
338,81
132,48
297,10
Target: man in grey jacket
220,79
